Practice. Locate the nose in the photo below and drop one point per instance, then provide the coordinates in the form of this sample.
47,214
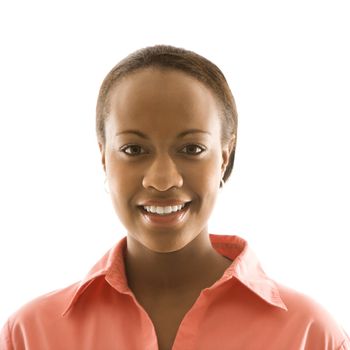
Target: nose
162,174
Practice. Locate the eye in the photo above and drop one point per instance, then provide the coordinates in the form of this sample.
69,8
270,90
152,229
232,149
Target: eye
193,149
132,150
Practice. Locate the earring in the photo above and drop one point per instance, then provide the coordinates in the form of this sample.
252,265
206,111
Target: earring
222,183
106,185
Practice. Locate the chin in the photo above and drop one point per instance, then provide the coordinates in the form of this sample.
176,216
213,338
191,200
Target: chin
163,243
165,248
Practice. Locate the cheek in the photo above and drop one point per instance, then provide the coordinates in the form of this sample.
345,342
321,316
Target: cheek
123,182
204,180
120,172
209,171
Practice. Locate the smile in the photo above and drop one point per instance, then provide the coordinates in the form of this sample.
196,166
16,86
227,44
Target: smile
158,216
160,210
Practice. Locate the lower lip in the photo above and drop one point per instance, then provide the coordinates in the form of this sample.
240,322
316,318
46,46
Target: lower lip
165,220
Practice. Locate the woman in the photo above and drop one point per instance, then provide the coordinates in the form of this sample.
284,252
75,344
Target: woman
166,128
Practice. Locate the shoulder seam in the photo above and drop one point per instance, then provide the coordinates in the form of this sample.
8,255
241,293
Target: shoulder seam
8,334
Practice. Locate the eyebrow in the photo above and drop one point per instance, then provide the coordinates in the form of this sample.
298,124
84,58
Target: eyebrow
144,136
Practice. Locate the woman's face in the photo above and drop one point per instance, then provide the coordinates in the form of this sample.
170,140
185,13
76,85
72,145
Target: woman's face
163,149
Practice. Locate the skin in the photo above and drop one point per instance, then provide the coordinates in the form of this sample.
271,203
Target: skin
167,266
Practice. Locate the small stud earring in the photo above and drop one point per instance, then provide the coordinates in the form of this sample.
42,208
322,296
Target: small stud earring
222,183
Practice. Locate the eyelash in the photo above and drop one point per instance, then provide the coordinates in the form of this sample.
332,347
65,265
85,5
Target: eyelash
124,148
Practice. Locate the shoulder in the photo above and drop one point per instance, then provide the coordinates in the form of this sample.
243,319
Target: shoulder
43,308
308,316
302,306
52,303
38,313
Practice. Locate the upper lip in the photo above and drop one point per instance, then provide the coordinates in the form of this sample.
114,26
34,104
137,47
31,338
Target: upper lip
164,202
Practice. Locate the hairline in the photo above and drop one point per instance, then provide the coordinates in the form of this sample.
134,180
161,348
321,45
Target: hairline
114,83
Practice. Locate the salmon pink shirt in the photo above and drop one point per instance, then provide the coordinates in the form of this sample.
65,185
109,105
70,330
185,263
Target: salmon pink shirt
243,310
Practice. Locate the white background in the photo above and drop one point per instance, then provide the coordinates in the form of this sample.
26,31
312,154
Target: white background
287,63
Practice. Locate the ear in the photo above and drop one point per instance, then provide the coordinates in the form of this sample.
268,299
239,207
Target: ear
103,156
226,152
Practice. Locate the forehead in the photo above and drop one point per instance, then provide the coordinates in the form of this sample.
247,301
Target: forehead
165,98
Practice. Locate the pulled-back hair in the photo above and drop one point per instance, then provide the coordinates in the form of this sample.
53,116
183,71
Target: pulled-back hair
170,57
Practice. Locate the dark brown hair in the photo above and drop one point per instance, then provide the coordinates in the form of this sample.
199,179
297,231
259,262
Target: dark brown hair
170,57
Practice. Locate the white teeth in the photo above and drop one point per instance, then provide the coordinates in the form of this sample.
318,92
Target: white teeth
163,210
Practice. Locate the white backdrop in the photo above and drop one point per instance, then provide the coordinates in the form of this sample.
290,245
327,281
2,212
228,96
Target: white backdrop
287,63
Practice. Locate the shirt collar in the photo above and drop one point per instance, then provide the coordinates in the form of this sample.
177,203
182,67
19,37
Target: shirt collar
245,267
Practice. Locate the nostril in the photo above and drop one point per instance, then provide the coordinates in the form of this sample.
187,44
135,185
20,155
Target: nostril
162,180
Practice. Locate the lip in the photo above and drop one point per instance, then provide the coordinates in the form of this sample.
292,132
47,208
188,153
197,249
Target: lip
163,203
165,220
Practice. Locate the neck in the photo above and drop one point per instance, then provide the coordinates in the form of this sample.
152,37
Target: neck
197,265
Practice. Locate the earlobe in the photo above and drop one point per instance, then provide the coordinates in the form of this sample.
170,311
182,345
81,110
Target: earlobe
226,152
103,158
225,159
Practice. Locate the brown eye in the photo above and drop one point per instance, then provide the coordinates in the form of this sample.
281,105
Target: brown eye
132,150
193,149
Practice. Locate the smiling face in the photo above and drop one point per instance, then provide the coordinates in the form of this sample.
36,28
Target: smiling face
163,149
